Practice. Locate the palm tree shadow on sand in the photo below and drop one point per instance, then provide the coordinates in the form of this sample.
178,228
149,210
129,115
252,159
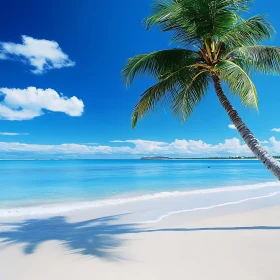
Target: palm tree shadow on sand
96,237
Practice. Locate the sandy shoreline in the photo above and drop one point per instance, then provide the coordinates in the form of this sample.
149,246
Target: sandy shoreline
236,246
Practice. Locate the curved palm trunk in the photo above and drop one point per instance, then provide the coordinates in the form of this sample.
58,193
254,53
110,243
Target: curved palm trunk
254,145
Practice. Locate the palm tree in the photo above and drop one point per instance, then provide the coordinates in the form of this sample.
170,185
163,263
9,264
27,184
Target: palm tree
215,45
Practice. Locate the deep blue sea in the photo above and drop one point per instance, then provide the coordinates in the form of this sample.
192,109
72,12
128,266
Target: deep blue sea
35,183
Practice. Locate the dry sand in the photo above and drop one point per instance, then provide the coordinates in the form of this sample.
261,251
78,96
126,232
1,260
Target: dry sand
240,246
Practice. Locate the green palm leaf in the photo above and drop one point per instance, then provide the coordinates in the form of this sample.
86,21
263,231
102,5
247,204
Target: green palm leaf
190,96
192,21
158,63
166,90
248,32
238,81
261,59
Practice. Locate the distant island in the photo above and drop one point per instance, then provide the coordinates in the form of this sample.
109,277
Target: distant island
169,158
155,158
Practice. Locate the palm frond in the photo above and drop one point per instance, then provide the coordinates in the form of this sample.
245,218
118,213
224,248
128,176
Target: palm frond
192,21
175,16
263,59
236,5
163,10
166,90
238,81
248,32
158,63
185,101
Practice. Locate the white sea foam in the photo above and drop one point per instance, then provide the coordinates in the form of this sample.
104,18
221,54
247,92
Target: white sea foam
209,207
64,208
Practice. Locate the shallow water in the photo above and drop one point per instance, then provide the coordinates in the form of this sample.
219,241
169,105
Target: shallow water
59,186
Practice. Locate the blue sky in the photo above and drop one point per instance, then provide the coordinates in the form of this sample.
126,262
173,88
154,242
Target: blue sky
89,42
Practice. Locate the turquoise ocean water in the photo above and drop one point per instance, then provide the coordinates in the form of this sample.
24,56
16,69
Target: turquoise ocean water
34,184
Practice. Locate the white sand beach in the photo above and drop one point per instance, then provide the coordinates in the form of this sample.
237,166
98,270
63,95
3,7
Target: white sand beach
229,246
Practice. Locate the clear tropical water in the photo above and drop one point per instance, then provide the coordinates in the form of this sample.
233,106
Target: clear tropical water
33,183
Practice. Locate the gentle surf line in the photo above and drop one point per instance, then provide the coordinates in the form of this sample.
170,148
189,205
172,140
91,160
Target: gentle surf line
55,209
207,208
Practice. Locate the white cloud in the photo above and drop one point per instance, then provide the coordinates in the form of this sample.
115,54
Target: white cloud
26,104
41,54
60,149
264,142
188,147
275,145
144,146
140,147
232,126
275,129
136,148
12,133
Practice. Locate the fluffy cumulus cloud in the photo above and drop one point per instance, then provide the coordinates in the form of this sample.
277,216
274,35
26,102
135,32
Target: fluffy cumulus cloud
231,126
275,145
188,147
26,104
275,130
135,149
40,54
144,146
